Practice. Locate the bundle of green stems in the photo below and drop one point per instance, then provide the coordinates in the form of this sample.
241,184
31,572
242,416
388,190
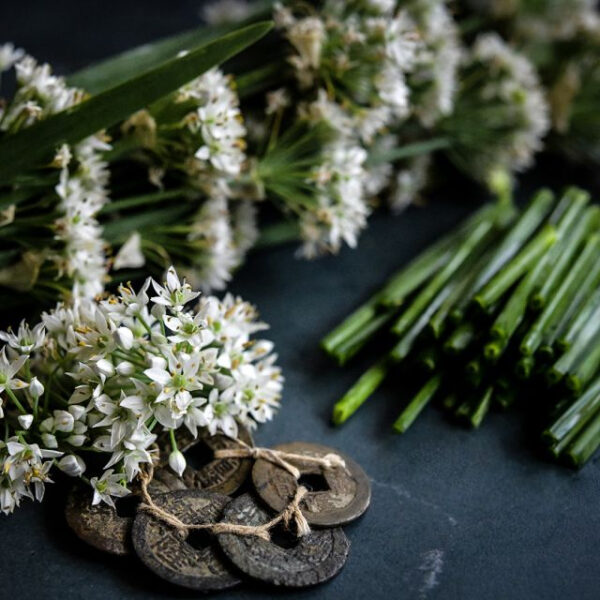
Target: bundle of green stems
502,311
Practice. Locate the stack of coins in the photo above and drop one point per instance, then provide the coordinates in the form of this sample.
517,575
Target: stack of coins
233,490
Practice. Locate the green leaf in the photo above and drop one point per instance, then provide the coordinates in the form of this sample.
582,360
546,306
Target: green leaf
121,67
35,145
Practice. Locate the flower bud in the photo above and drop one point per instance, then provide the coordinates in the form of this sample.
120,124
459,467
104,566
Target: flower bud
76,440
105,367
125,368
124,337
36,388
177,462
63,421
49,440
72,465
77,411
25,421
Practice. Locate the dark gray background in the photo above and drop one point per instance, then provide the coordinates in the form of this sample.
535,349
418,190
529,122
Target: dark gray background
455,514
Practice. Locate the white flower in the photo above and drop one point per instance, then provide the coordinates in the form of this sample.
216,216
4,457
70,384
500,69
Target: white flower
220,414
25,340
36,387
173,294
342,210
410,180
130,254
107,486
8,370
9,55
124,337
307,36
25,421
177,462
277,100
72,465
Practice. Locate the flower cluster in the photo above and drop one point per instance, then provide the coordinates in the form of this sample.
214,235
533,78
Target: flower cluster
109,376
501,114
72,255
195,139
542,19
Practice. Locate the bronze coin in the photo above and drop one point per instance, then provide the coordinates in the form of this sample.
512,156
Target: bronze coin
165,480
314,558
161,548
224,475
336,496
100,526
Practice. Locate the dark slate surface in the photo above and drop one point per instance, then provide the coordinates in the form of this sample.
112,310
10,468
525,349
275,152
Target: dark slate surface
455,514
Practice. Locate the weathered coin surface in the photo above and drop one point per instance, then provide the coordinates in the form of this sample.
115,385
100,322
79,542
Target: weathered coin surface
165,480
312,559
100,526
336,496
223,475
162,549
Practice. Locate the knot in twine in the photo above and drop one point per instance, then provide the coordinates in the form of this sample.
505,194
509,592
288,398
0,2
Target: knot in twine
291,513
280,458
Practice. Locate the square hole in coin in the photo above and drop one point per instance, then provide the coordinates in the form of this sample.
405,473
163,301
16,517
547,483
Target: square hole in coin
199,539
199,456
314,482
283,538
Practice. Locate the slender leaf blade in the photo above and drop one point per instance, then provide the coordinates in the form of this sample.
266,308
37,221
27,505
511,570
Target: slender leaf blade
36,144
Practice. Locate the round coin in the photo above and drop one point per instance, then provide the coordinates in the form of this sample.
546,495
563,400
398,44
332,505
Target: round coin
314,558
162,549
336,496
223,475
100,525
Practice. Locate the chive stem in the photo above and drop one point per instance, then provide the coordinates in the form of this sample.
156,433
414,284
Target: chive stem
417,404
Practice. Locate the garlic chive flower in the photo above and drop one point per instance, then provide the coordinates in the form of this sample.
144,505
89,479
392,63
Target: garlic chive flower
71,257
501,114
111,375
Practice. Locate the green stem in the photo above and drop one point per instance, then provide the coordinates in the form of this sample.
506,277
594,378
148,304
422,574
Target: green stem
560,264
576,352
143,200
417,404
360,392
173,440
482,407
516,268
472,244
524,367
586,369
460,339
408,151
586,443
15,400
517,235
351,345
560,301
403,282
580,320
284,232
401,350
570,422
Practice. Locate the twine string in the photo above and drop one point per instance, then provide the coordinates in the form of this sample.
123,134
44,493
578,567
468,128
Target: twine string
291,513
280,458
